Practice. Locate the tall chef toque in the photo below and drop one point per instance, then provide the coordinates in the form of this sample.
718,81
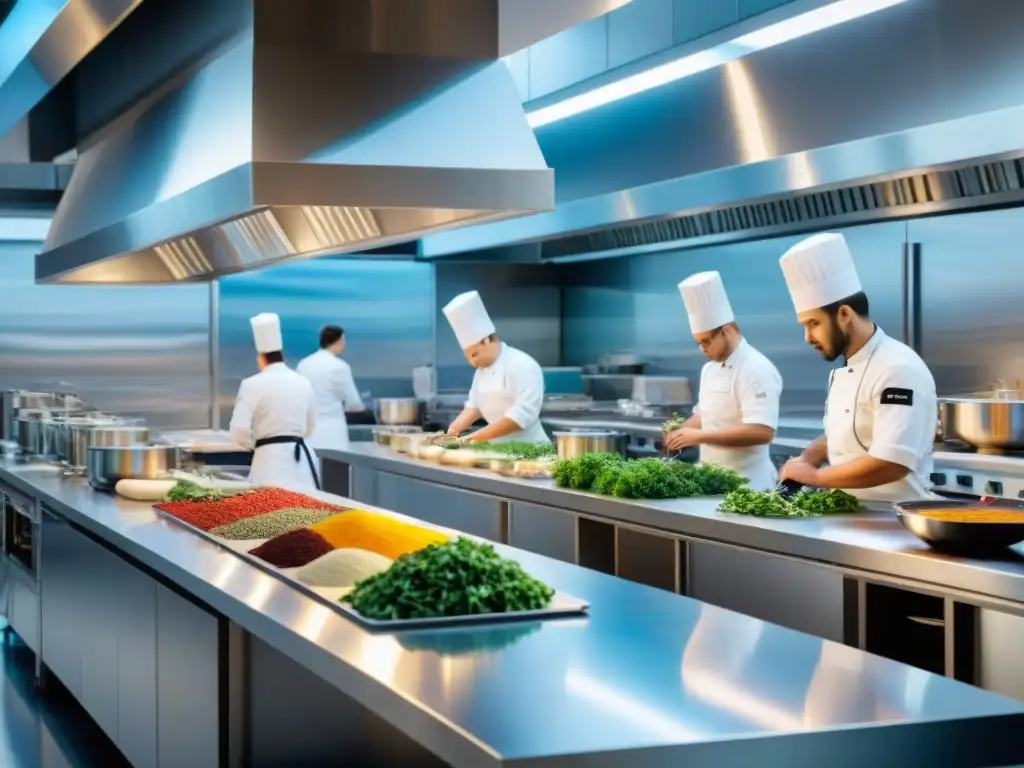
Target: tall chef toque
266,331
819,271
706,301
468,317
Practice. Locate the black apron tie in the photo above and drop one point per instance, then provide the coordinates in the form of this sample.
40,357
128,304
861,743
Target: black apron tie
300,448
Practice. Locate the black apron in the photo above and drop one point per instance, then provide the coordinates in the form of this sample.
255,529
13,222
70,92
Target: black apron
300,448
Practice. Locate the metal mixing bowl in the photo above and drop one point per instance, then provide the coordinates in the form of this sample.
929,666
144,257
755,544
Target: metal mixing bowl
992,425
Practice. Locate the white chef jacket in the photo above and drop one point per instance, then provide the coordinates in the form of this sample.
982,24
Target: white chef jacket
882,403
276,402
512,386
335,391
745,389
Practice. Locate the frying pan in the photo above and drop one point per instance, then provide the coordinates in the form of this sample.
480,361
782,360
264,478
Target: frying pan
959,537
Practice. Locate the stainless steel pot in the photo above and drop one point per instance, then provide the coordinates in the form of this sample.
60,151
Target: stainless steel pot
386,435
81,437
400,411
106,464
573,444
992,425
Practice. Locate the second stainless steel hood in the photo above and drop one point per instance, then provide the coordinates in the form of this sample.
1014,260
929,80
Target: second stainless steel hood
315,127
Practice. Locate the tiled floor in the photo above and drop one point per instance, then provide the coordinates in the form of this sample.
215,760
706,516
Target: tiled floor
44,729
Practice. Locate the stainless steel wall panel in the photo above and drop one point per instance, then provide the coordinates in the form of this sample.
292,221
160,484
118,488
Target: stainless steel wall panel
695,18
972,319
385,307
568,57
639,29
129,350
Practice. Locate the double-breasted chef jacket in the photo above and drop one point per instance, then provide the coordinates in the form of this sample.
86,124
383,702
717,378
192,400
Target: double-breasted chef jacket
511,387
334,390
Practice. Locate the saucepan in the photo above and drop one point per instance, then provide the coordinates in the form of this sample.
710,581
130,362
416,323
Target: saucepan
964,527
400,410
107,464
573,444
992,423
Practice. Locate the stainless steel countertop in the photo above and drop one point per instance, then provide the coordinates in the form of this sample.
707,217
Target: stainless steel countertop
869,542
667,679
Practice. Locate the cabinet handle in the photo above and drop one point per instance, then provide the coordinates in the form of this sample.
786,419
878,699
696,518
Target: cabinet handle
927,622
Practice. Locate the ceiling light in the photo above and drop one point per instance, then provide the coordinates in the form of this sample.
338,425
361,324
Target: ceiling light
758,40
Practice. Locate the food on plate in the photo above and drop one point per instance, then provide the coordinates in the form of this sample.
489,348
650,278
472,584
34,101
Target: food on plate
431,452
514,449
969,515
210,514
374,532
293,549
342,568
610,475
144,490
271,524
806,503
457,578
531,469
460,457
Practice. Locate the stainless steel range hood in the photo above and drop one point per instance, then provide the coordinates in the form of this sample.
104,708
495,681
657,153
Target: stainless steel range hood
317,127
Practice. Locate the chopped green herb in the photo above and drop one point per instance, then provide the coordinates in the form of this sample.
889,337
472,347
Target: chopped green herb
610,475
516,451
186,491
807,503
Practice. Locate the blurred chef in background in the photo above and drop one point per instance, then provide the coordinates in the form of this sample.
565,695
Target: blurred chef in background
508,386
737,409
881,407
334,388
274,413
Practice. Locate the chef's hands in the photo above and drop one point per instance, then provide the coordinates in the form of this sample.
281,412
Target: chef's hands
681,438
799,471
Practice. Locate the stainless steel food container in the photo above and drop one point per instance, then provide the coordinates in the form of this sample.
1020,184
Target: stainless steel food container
990,424
106,464
573,444
81,437
386,435
30,431
400,411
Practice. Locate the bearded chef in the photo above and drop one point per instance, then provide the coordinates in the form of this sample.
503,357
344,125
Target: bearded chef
881,407
334,388
508,386
737,410
274,413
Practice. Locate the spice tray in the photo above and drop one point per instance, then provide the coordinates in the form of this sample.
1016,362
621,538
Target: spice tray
562,605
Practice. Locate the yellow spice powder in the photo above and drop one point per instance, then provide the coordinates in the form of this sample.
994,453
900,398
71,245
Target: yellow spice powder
359,529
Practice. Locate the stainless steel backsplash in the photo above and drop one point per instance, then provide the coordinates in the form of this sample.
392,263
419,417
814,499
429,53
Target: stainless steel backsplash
136,351
385,307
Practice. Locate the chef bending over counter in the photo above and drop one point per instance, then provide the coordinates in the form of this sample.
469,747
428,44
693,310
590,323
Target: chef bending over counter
508,385
881,406
737,409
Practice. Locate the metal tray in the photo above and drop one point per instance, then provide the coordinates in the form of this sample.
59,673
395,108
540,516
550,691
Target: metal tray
562,605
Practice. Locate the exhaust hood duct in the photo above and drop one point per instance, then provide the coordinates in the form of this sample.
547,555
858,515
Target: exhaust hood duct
41,41
320,127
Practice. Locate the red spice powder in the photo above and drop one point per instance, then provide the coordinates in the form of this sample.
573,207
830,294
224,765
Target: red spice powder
207,515
294,549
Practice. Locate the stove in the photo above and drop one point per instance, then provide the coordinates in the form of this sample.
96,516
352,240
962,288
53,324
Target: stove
962,470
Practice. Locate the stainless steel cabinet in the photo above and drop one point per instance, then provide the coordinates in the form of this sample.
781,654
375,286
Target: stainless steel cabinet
62,588
472,513
137,669
544,530
97,633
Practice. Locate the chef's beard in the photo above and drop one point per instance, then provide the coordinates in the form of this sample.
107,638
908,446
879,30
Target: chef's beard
838,343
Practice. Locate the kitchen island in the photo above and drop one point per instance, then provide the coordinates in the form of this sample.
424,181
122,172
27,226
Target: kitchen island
860,579
188,655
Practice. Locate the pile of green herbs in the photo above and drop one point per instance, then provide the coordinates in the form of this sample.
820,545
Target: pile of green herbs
457,578
673,424
188,491
516,451
610,475
806,503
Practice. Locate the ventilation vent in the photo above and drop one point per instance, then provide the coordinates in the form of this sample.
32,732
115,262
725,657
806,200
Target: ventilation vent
974,186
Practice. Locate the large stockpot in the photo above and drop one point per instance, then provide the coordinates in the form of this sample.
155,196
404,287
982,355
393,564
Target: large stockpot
400,411
573,444
82,437
106,464
990,424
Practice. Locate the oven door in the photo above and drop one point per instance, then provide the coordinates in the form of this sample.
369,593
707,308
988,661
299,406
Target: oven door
21,535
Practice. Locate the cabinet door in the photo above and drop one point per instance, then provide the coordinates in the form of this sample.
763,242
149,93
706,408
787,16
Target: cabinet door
544,530
60,573
136,668
465,511
97,632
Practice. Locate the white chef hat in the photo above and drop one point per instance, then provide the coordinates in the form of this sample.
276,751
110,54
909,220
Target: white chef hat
468,317
706,301
266,331
819,271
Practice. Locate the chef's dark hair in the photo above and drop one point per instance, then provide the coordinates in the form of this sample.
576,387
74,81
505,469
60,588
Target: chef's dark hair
858,303
330,334
273,357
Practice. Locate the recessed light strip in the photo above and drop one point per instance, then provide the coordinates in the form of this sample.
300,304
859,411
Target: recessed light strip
737,48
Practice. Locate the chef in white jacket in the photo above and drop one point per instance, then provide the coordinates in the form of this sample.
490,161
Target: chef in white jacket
737,409
508,386
274,413
334,388
881,408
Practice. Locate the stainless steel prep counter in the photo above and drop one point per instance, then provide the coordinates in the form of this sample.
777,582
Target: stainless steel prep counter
650,678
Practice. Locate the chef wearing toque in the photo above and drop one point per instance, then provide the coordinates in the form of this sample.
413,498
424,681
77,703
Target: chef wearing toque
274,413
881,407
737,409
508,386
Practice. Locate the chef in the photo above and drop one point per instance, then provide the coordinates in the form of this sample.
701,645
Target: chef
508,386
737,410
334,388
274,413
881,407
